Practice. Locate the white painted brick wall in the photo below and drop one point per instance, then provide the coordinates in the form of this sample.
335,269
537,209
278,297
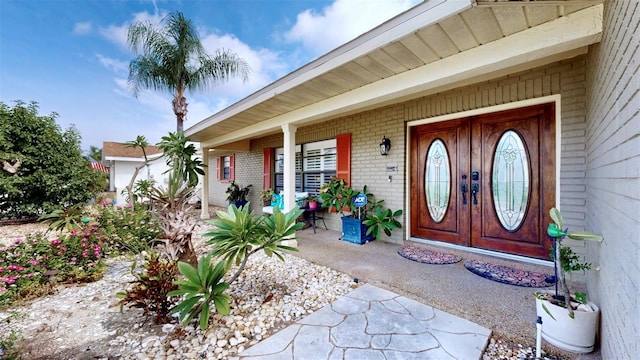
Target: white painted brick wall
613,178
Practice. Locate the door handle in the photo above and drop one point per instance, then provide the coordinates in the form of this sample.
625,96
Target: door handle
464,188
475,188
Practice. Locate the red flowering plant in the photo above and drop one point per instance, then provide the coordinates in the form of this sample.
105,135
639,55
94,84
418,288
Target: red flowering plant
28,265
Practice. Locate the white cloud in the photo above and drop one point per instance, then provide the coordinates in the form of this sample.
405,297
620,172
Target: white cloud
118,33
114,65
82,28
341,22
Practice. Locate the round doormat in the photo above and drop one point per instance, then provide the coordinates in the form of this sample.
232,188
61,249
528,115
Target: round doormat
507,275
427,256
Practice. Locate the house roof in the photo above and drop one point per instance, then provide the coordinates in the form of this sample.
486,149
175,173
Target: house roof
435,46
120,151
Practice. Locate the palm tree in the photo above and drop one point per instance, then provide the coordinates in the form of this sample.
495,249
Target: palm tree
172,58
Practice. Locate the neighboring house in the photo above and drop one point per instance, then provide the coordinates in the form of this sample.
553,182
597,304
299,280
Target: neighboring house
122,161
535,103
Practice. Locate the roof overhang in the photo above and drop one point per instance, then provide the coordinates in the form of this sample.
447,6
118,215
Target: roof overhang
420,52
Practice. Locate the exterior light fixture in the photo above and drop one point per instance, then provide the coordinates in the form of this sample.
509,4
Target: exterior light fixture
385,145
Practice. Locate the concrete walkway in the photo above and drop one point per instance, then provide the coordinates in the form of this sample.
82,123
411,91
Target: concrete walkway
373,323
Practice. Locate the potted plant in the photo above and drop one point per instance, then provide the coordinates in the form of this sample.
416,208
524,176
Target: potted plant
237,195
569,320
312,202
266,195
367,216
331,194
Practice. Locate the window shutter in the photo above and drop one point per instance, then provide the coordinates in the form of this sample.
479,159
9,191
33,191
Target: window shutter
232,167
267,167
343,151
218,168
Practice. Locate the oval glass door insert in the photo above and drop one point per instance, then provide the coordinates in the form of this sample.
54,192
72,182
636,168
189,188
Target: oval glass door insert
510,180
437,180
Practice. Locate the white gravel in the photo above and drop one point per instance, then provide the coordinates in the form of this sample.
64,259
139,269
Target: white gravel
80,321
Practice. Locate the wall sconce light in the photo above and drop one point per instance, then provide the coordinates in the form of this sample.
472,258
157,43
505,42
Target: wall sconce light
385,145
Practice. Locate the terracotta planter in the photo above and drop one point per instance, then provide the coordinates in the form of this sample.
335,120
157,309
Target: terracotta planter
577,334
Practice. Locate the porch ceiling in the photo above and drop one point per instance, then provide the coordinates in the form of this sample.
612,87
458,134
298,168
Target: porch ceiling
416,43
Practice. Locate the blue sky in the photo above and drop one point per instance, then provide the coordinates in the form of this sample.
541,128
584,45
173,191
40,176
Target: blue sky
71,56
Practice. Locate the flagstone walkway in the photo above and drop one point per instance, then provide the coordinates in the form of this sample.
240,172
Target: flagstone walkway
373,323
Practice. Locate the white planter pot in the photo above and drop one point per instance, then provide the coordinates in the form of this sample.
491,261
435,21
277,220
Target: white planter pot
577,334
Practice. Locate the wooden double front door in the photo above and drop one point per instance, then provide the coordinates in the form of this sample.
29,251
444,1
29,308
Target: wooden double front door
486,181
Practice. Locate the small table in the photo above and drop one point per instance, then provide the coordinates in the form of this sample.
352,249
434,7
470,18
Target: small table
314,216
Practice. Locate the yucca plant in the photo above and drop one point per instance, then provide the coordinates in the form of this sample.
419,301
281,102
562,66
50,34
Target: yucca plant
201,287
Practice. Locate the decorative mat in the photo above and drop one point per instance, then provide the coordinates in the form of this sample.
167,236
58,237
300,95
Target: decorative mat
427,256
507,275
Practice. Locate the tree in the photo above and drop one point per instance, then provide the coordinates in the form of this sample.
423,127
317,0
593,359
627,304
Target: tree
42,166
95,153
171,57
142,143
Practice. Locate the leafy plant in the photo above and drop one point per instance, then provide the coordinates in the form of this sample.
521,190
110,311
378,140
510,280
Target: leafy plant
332,194
7,345
171,57
565,259
127,229
181,158
42,166
151,287
69,219
29,265
238,234
176,218
236,193
266,196
200,288
382,219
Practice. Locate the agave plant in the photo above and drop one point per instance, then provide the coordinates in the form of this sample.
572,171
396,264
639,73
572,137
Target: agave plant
564,258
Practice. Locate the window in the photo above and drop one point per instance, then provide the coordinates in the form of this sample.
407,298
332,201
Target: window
315,165
225,171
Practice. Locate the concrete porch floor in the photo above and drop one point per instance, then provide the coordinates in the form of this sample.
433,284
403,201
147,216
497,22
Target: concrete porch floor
507,310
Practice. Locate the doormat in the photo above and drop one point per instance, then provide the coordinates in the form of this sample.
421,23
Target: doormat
507,275
427,256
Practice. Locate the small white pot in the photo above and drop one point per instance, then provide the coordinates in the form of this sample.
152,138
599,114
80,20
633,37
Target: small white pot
575,335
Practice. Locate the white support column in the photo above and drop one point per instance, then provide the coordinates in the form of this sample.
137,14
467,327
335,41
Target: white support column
204,196
289,173
289,166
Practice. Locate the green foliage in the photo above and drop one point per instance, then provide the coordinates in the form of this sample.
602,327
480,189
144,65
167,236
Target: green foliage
200,288
180,157
382,219
151,287
238,233
237,193
171,57
69,219
7,343
25,265
43,166
332,194
564,258
95,153
128,229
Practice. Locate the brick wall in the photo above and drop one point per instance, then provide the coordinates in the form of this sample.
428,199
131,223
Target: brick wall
367,128
613,178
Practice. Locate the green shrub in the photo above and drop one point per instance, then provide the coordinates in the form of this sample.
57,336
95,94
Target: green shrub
201,287
27,265
151,287
128,229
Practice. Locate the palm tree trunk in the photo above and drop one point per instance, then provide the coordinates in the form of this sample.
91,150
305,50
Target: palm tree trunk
180,109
